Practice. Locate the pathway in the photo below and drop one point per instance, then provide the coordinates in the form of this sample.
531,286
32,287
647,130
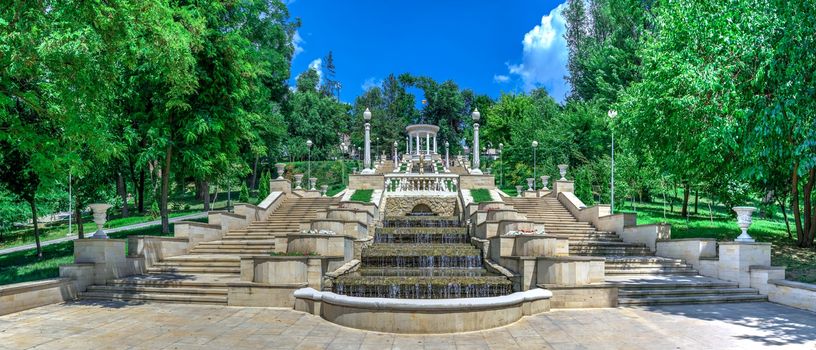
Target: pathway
116,325
108,230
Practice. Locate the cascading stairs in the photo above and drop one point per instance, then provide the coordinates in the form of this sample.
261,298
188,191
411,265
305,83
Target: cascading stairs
642,277
202,275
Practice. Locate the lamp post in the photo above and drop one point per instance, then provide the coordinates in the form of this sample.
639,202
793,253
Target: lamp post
367,161
309,146
447,154
378,147
501,168
343,160
476,155
396,164
535,145
612,114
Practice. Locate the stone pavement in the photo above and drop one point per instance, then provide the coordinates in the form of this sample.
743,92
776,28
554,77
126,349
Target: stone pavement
115,325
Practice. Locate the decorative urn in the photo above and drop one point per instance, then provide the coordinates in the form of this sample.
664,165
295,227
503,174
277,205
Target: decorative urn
100,216
298,181
744,222
545,180
562,169
280,168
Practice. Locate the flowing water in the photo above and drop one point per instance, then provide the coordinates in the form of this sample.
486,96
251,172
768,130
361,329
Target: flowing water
422,257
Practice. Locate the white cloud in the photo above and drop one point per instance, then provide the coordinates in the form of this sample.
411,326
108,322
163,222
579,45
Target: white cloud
545,55
317,64
297,42
500,78
370,83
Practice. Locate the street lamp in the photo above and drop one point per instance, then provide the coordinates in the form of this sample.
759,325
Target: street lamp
309,146
612,114
396,165
367,162
501,168
535,145
475,168
447,154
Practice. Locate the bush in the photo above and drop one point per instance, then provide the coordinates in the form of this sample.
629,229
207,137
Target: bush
362,195
481,195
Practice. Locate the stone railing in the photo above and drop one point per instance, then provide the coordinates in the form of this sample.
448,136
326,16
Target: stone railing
421,183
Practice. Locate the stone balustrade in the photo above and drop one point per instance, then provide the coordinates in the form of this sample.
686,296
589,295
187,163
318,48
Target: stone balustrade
421,183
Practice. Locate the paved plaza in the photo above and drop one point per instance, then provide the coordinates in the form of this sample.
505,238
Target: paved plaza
115,325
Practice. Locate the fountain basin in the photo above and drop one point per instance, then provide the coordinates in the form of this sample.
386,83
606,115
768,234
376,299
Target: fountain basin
422,316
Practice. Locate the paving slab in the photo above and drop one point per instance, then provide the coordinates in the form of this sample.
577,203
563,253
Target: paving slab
115,325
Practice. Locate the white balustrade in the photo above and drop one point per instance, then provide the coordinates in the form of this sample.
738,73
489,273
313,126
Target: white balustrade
421,183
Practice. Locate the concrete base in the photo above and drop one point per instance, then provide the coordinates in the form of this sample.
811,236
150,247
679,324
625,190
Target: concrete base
421,316
736,258
582,297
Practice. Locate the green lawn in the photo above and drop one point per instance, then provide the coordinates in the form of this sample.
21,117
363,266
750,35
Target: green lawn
362,195
24,266
481,195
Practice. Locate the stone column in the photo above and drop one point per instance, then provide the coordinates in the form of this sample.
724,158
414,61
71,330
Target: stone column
435,150
408,145
367,161
447,157
428,143
476,149
417,144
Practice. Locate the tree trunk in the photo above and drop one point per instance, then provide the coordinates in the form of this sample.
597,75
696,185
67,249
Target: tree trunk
797,214
121,186
141,190
165,189
78,215
686,192
785,216
36,227
810,219
696,200
205,194
254,174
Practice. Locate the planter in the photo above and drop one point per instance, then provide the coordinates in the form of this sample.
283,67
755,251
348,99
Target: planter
280,168
100,216
545,180
562,169
298,181
744,221
530,181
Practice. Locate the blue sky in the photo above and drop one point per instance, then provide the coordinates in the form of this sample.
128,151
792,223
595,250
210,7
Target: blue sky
488,46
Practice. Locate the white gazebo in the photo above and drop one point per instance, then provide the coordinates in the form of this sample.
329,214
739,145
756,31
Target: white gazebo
417,133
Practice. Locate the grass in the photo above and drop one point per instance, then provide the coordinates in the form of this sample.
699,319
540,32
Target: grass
24,266
362,195
60,229
481,195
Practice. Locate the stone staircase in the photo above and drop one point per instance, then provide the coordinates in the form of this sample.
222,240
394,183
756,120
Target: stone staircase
641,277
202,276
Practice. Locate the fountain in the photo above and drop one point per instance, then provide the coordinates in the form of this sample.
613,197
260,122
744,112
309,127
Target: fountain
422,257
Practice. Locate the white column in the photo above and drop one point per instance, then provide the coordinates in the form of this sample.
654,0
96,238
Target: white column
367,161
435,151
417,144
428,143
475,151
408,145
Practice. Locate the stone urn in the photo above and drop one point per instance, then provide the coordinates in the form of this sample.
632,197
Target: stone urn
323,190
354,171
744,222
298,181
280,168
562,169
519,190
545,180
100,216
312,183
530,182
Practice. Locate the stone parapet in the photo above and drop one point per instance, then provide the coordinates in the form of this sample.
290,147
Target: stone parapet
736,258
28,295
691,250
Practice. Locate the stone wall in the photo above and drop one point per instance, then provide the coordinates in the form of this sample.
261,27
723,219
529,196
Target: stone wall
467,182
366,182
402,205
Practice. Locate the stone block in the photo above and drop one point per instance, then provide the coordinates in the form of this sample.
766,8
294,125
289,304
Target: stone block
691,249
737,257
366,182
794,294
22,296
582,297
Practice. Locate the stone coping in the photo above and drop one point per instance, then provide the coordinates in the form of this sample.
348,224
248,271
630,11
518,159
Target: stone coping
247,205
743,243
533,235
290,257
267,285
317,235
602,285
765,268
356,202
566,258
793,284
681,239
226,213
90,239
198,224
459,304
16,288
271,198
664,224
163,238
338,220
713,258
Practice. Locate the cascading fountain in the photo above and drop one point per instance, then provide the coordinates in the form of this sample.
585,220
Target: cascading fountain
422,257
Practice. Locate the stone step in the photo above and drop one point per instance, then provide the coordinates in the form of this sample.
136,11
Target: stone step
148,289
232,251
643,260
696,299
197,264
236,245
156,297
684,292
261,242
615,265
607,245
194,269
175,281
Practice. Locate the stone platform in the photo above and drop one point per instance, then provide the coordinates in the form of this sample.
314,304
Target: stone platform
117,325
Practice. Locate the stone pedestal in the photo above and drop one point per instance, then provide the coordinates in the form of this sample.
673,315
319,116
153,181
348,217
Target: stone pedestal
563,186
736,258
106,255
281,185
